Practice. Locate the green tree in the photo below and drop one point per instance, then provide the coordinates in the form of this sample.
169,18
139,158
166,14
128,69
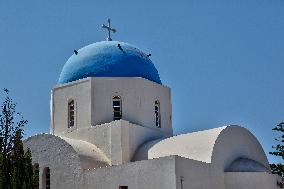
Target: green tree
278,150
16,171
36,176
2,178
31,178
18,162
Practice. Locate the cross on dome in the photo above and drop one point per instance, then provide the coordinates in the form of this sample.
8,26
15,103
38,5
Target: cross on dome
108,27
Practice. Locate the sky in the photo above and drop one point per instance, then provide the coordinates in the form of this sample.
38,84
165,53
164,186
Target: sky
223,59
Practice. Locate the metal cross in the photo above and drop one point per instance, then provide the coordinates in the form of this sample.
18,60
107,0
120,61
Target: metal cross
108,27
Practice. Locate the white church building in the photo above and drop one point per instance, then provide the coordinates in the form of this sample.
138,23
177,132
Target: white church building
111,128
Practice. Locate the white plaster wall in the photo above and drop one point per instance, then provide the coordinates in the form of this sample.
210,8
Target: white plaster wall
80,91
138,97
250,180
90,155
150,174
93,97
133,136
138,135
219,146
66,169
196,175
99,135
237,142
64,163
119,140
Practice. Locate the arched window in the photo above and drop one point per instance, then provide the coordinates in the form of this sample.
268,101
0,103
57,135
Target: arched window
157,114
116,104
46,178
36,175
71,113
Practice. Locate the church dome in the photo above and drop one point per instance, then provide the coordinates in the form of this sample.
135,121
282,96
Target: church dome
108,59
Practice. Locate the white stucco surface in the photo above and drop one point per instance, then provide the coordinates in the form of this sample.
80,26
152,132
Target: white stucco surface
237,142
220,146
249,180
118,140
105,154
93,103
90,155
151,174
195,174
63,161
64,158
80,92
198,145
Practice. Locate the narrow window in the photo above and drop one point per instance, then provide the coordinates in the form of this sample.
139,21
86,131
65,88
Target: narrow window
36,175
71,113
116,104
157,114
123,187
46,178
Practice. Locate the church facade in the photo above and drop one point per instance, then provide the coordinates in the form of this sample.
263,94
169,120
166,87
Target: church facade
111,128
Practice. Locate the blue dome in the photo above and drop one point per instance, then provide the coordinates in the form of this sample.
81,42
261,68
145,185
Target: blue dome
106,59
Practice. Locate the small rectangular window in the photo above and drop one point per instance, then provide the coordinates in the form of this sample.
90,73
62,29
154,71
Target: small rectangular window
71,113
116,105
157,114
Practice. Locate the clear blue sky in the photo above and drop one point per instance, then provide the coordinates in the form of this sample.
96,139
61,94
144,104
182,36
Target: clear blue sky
223,59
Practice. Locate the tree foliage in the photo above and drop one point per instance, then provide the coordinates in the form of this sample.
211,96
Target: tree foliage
16,171
278,150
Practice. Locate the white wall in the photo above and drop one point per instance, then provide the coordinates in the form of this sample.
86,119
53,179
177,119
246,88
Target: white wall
119,140
197,174
80,91
150,174
250,180
93,97
237,142
219,146
99,135
66,168
64,163
138,97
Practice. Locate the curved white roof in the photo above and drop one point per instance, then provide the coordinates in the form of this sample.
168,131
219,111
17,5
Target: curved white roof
219,146
89,155
88,152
